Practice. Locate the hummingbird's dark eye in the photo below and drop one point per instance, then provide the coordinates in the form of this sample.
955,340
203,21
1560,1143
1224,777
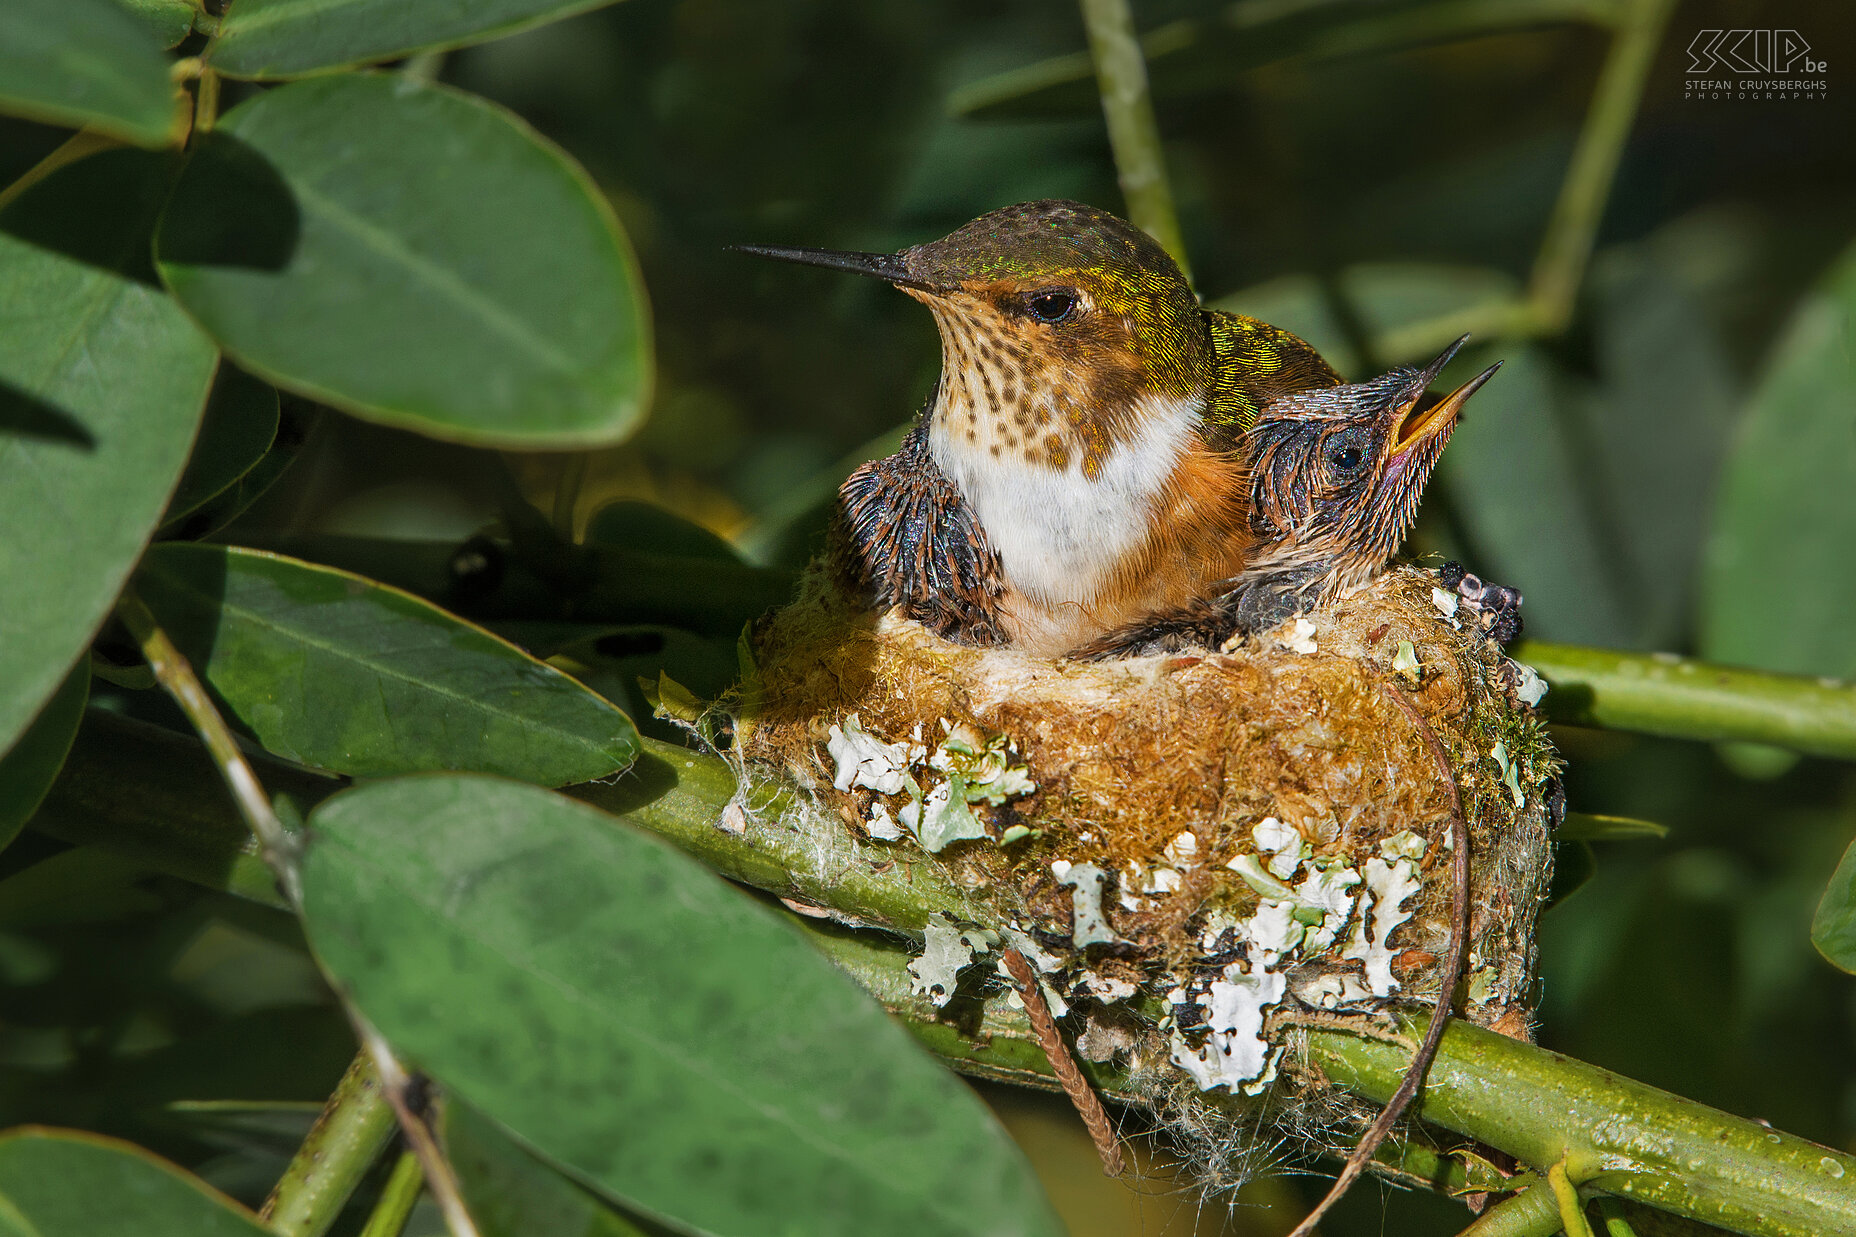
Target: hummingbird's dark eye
1346,453
1052,304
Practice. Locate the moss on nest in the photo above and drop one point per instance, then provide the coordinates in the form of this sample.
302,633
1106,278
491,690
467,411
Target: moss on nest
1270,826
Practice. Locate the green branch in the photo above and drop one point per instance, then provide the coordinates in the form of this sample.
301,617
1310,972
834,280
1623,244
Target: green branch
1133,133
355,1124
1566,247
1661,694
1615,1136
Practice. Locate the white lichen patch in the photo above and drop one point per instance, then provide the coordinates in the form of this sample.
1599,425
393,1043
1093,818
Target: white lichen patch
1089,925
1405,663
1235,1055
948,949
1274,930
1391,879
1511,774
1284,842
881,825
977,770
862,759
1182,851
1301,637
1267,884
1329,892
1446,603
1529,686
1103,989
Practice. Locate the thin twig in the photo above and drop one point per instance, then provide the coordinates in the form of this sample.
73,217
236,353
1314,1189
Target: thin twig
1566,1194
397,1199
1133,133
1101,1132
440,1180
1447,977
279,848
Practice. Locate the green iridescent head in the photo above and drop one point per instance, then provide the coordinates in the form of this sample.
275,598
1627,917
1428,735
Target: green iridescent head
1054,290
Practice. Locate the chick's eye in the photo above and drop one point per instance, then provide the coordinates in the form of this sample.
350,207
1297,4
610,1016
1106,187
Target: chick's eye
1346,454
1051,304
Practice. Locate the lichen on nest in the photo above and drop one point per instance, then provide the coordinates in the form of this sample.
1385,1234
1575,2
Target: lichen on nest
1226,840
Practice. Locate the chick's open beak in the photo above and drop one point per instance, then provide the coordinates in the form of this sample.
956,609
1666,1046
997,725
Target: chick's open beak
1421,418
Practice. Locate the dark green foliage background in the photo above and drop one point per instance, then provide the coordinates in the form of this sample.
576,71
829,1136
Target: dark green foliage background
1343,198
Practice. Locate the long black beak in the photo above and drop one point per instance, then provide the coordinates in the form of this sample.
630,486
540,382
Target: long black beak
1426,376
888,267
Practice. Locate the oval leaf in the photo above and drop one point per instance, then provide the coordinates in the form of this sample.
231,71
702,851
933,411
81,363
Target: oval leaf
61,1183
641,1023
87,63
101,384
239,427
288,38
414,256
1833,928
29,770
511,1193
351,676
1780,583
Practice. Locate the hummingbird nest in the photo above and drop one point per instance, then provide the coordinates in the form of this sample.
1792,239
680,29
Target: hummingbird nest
1208,848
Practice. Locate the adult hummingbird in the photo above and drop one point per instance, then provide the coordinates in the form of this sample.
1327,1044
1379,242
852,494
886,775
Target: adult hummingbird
1335,475
1079,465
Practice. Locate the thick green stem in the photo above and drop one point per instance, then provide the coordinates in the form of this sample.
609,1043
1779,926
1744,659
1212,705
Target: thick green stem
1566,247
681,795
1613,1134
397,1199
1617,1136
1659,693
1133,133
343,1144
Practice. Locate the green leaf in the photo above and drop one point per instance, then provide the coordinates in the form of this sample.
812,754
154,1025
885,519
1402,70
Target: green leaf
271,39
1833,928
99,209
87,64
414,256
1780,582
29,770
340,673
632,525
511,1193
236,433
170,20
531,952
62,1183
101,384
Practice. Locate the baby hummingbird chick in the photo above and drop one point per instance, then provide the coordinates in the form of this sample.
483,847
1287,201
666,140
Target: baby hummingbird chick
1335,480
1079,464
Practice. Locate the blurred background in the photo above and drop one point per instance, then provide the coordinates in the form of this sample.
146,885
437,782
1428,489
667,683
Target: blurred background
1654,472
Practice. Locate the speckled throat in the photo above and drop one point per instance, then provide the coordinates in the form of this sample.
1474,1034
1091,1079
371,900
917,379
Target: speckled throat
1098,496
